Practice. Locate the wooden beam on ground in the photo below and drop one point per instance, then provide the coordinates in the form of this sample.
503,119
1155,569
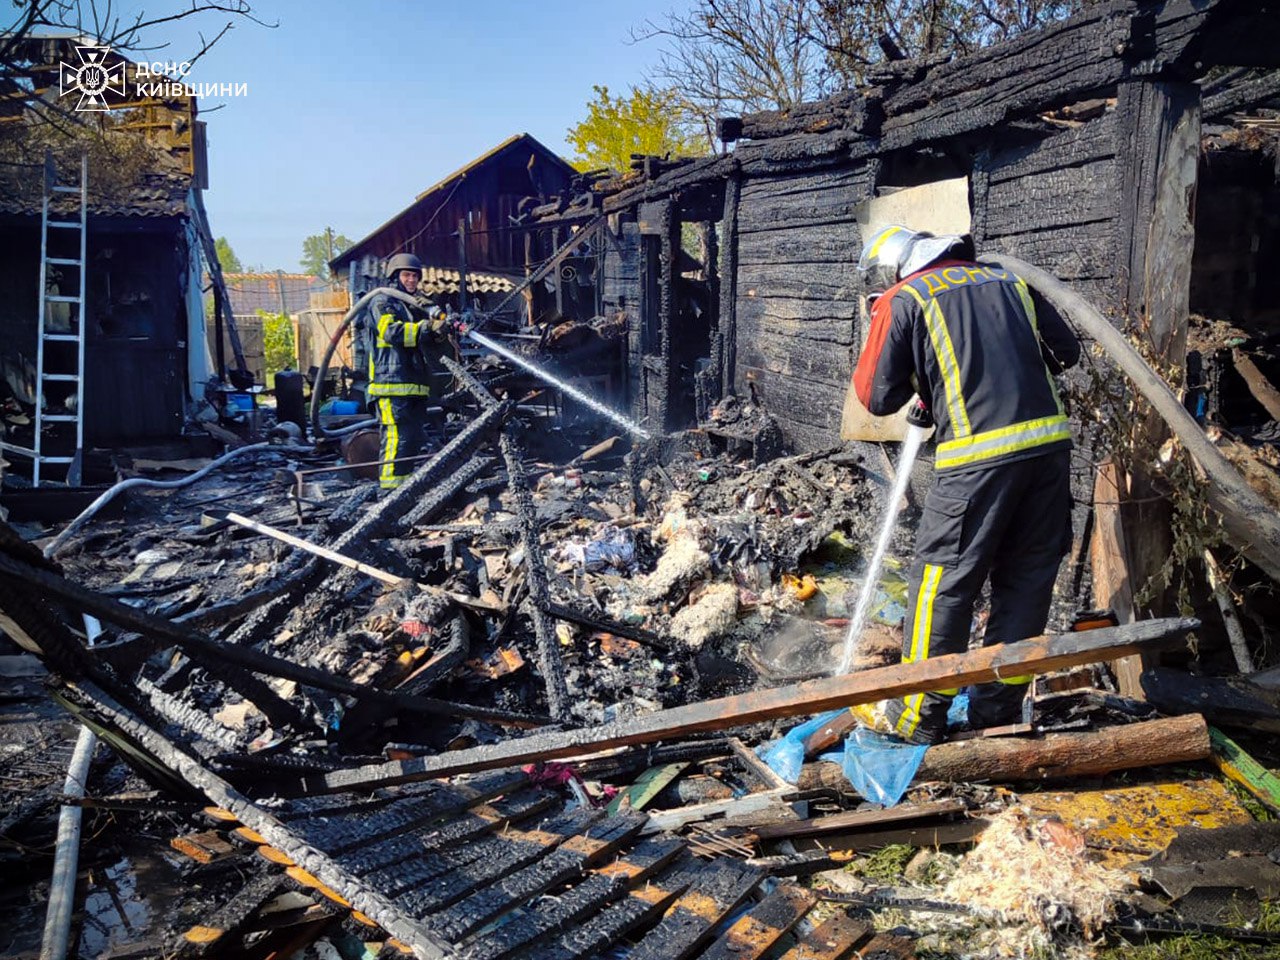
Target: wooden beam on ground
858,818
831,940
1038,655
1232,760
1056,756
753,935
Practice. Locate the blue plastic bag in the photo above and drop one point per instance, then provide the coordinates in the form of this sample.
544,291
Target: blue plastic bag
786,755
879,767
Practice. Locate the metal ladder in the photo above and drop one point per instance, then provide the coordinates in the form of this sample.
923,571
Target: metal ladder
73,464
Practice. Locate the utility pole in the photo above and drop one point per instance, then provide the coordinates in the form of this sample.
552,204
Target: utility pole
328,240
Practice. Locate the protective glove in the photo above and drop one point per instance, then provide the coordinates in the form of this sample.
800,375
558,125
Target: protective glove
918,415
461,324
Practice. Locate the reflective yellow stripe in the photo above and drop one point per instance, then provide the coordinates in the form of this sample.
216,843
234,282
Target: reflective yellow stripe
390,450
383,322
1029,307
921,628
875,247
399,390
947,363
995,443
922,623
411,334
1015,681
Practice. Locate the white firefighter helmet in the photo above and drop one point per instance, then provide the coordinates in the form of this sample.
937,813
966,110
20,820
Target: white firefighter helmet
904,251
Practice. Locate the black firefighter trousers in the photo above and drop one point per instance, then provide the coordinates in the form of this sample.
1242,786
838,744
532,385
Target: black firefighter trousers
403,425
1011,522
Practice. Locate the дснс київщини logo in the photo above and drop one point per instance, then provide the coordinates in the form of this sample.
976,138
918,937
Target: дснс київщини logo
92,78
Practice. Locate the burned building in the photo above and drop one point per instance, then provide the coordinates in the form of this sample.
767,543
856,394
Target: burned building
104,231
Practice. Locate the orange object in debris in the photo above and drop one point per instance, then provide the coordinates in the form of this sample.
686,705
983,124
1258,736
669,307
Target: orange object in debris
617,646
802,588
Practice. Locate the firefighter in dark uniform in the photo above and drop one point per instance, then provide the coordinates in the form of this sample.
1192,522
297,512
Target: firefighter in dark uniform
401,342
980,349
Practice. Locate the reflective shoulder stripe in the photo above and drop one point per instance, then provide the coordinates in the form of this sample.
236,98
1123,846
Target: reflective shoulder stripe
383,322
947,362
1029,307
996,443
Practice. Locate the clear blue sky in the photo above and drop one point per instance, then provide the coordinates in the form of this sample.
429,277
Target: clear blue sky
355,108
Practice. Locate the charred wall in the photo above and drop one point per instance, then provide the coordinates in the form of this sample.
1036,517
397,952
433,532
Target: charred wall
797,296
1054,202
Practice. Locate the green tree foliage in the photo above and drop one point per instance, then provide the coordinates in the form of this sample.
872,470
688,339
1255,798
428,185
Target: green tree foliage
648,121
278,348
318,249
227,257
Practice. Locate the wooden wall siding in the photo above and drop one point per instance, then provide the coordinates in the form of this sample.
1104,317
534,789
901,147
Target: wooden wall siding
797,291
1055,203
620,292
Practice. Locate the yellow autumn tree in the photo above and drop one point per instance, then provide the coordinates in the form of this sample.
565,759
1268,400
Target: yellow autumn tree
647,121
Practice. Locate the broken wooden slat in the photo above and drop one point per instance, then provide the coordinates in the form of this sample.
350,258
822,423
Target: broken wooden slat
1233,761
693,917
467,826
586,899
956,831
518,848
752,936
202,847
213,932
561,865
832,940
640,906
1038,655
859,818
1109,563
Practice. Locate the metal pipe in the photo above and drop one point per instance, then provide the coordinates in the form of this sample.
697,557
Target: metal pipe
107,496
66,859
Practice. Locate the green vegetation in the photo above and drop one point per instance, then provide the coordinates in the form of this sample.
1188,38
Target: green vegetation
227,257
319,248
278,347
648,121
885,866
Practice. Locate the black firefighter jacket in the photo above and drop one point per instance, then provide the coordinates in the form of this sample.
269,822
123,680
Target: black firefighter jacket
400,349
981,349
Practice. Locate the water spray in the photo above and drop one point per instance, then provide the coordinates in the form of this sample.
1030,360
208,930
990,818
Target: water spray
625,422
917,428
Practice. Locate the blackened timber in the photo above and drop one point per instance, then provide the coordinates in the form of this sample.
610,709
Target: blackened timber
368,901
427,508
212,934
518,848
591,622
586,899
195,644
640,906
549,663
692,918
850,110
564,863
831,940
729,283
468,826
754,935
1038,655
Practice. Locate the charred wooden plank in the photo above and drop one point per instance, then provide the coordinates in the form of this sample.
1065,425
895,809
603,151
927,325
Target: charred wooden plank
692,918
457,830
639,907
587,898
832,940
219,926
1042,654
517,849
754,935
367,900
858,818
564,863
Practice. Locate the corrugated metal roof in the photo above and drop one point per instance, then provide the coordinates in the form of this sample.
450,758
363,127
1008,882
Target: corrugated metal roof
443,280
